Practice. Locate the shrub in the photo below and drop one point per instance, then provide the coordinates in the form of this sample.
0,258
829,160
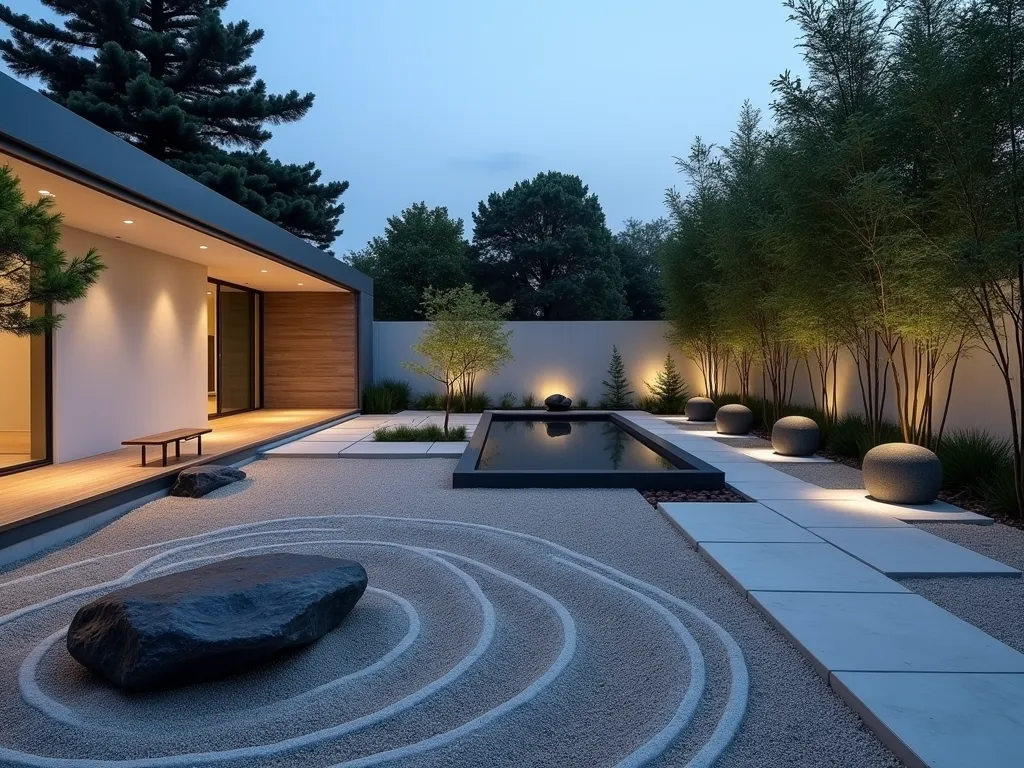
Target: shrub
478,402
668,392
973,460
582,402
1000,494
529,400
421,434
386,396
649,403
508,401
429,401
617,394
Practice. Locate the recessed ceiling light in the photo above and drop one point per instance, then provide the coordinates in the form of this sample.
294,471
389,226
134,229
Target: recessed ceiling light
209,293
203,247
45,193
298,283
263,270
128,221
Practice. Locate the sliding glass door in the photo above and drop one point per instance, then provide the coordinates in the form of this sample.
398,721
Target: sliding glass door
25,393
234,376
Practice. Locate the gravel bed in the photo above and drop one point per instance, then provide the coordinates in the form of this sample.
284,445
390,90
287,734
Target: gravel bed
627,677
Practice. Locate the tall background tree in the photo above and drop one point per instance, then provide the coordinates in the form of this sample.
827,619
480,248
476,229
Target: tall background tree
421,248
638,246
544,244
172,78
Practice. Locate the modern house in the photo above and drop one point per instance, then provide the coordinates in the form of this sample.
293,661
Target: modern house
207,314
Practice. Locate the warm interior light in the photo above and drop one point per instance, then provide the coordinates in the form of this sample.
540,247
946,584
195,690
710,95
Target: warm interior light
203,247
45,193
298,283
209,293
263,270
128,221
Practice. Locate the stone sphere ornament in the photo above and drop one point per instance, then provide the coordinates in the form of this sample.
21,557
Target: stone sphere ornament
734,419
902,473
795,436
700,409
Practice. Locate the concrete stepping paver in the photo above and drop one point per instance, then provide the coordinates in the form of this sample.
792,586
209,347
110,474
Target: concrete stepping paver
862,632
741,471
704,522
832,513
394,450
307,449
941,720
447,448
795,568
908,552
800,490
769,455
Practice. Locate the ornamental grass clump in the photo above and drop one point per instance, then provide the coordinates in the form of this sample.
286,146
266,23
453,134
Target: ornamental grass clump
426,433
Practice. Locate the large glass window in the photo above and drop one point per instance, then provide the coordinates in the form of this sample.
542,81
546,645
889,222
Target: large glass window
24,401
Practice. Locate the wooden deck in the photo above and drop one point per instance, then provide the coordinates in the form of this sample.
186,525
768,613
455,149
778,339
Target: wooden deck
30,496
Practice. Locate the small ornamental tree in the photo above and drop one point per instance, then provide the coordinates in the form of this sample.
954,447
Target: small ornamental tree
669,389
616,387
466,337
34,271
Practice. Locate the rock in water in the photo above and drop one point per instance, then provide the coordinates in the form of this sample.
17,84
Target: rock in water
558,403
199,481
214,620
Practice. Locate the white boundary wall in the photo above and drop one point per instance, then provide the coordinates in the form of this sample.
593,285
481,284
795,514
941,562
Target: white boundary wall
572,358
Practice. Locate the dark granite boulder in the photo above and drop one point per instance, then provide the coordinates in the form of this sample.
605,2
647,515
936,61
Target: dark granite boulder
199,481
557,403
214,620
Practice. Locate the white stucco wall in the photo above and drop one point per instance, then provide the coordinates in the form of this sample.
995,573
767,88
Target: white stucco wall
567,357
572,358
130,358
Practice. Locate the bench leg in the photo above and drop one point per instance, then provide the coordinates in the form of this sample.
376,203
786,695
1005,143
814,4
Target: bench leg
165,454
199,445
177,449
143,455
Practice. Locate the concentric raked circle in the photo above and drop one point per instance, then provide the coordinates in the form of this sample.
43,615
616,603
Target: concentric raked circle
493,622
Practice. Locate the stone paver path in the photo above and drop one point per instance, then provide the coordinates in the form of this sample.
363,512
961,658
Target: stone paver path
936,690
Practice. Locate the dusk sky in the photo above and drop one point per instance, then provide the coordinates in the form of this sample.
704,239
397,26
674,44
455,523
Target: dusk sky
449,100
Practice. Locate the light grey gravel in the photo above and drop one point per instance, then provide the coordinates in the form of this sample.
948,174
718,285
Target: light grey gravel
626,679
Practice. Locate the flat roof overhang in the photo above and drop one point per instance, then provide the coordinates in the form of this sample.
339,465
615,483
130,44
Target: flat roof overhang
40,133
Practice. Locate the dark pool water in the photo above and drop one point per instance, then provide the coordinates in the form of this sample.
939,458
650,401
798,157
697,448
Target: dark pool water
566,445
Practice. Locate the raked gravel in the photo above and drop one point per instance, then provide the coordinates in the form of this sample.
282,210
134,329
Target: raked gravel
625,682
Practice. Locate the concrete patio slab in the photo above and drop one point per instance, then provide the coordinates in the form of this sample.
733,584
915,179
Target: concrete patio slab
393,450
799,490
832,513
447,449
716,522
311,448
941,720
861,632
816,567
908,552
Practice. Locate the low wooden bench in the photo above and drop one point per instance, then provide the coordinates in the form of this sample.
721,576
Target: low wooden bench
166,438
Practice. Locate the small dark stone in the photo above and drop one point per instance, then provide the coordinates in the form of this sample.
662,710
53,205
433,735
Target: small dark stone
194,482
557,403
214,620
